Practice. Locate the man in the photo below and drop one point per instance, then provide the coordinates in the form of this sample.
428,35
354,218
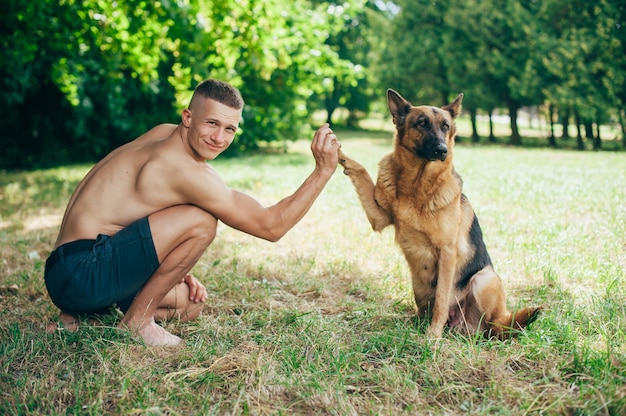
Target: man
142,217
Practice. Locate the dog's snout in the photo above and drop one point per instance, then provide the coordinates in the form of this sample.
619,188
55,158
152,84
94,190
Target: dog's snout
441,151
434,149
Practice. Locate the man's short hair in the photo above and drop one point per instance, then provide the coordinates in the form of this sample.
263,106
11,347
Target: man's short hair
220,91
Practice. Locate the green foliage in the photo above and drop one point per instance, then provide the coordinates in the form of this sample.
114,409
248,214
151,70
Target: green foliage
568,55
93,74
93,79
79,78
584,51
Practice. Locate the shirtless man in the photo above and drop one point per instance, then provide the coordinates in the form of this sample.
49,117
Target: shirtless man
142,217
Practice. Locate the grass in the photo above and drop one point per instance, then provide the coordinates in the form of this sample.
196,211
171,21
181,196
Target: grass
322,322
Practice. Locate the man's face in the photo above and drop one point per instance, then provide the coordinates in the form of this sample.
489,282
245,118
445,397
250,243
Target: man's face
212,127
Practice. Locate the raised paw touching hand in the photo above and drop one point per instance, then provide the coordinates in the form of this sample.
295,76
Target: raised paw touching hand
348,164
342,158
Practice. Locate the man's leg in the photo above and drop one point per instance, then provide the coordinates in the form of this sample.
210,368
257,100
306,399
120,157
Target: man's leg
181,234
177,304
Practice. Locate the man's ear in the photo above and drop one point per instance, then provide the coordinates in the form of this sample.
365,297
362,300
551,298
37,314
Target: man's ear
186,117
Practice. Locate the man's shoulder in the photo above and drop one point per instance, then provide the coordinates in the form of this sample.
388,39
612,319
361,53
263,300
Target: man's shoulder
157,133
203,172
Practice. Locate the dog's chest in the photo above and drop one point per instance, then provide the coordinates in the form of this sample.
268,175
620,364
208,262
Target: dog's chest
421,224
408,214
414,229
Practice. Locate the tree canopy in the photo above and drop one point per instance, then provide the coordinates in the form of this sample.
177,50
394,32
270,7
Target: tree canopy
80,77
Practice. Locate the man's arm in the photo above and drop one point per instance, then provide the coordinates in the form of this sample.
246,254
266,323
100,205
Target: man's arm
246,214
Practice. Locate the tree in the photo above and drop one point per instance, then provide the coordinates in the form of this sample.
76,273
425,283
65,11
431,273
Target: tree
582,61
507,30
279,58
32,38
358,44
467,60
84,77
482,47
82,68
414,62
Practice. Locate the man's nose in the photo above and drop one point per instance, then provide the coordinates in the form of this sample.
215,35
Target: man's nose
219,134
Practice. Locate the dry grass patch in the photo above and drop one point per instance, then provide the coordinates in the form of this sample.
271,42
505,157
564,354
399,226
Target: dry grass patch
322,322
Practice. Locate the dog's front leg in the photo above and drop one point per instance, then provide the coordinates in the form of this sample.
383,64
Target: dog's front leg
445,285
365,189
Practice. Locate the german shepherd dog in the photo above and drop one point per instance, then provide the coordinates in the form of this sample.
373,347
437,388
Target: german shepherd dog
420,193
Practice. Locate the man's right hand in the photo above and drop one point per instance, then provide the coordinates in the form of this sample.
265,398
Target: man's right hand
324,148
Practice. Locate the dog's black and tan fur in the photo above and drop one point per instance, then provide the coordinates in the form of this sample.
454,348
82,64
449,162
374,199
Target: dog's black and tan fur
420,193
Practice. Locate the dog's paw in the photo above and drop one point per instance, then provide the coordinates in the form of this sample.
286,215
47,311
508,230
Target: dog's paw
345,162
342,158
434,333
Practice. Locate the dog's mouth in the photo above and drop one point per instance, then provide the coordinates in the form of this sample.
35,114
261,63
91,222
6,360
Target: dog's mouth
440,157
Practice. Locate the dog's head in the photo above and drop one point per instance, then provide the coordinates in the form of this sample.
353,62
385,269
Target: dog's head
427,132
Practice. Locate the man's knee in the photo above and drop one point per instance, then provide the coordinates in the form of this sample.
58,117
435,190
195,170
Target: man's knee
184,313
201,224
189,222
182,226
191,312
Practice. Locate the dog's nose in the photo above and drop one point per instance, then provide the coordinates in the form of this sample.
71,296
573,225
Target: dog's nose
441,151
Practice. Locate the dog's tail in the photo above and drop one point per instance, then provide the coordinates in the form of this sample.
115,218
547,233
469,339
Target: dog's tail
518,321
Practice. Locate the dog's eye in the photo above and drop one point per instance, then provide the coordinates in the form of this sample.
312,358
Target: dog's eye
445,127
422,122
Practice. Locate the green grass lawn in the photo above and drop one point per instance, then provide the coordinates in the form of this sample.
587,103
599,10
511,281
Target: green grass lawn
322,322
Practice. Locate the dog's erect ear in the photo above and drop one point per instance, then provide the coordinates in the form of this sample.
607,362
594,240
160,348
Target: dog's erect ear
454,108
398,106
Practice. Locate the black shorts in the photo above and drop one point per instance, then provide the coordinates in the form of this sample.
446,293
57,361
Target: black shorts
87,277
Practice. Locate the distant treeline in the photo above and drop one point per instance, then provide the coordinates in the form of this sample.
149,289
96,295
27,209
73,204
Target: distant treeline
80,77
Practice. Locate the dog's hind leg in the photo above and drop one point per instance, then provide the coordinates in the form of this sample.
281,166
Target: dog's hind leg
489,297
365,189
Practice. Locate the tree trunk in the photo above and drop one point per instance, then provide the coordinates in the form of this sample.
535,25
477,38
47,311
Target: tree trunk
580,145
588,130
353,120
331,102
492,137
329,116
552,138
475,136
565,124
621,123
597,141
516,139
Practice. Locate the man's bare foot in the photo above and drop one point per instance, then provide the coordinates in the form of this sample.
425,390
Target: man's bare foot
154,335
68,322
